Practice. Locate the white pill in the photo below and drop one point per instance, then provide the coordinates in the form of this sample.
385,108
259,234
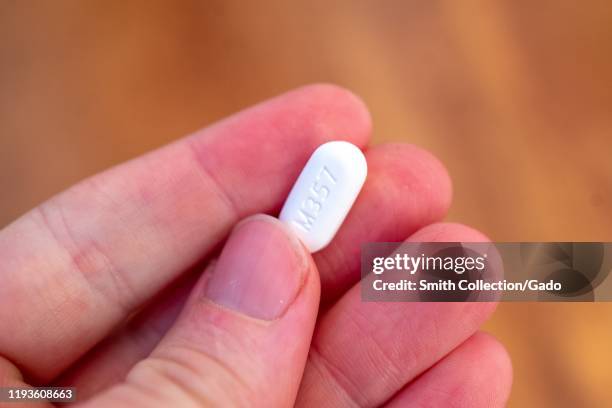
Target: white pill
324,193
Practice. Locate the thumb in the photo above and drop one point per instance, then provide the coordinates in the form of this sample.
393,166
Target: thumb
244,334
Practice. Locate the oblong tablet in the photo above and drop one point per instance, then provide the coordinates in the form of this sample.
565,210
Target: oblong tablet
324,193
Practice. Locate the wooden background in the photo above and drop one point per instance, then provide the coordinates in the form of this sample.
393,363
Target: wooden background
515,97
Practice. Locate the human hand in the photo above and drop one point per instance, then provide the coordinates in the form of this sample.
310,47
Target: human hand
136,238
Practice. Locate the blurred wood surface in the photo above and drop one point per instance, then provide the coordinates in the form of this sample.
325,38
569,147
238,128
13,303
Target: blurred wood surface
514,97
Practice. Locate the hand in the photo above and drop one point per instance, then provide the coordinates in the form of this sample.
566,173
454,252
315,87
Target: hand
137,237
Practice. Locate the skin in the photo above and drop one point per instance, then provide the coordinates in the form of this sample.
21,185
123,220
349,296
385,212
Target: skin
118,286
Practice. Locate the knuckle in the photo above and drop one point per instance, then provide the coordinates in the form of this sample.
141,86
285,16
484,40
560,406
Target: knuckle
194,376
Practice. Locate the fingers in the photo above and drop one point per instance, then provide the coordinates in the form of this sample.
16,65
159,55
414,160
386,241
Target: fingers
109,362
77,265
406,189
244,334
10,377
476,374
364,352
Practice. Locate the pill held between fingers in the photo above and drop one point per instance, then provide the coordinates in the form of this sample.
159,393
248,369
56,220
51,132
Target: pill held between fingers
324,193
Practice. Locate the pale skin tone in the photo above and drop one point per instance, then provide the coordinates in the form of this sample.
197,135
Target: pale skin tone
249,320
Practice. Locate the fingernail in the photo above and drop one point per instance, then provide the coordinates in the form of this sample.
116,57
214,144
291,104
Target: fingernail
260,269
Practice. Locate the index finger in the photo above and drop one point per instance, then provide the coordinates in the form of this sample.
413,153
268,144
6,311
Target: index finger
78,264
